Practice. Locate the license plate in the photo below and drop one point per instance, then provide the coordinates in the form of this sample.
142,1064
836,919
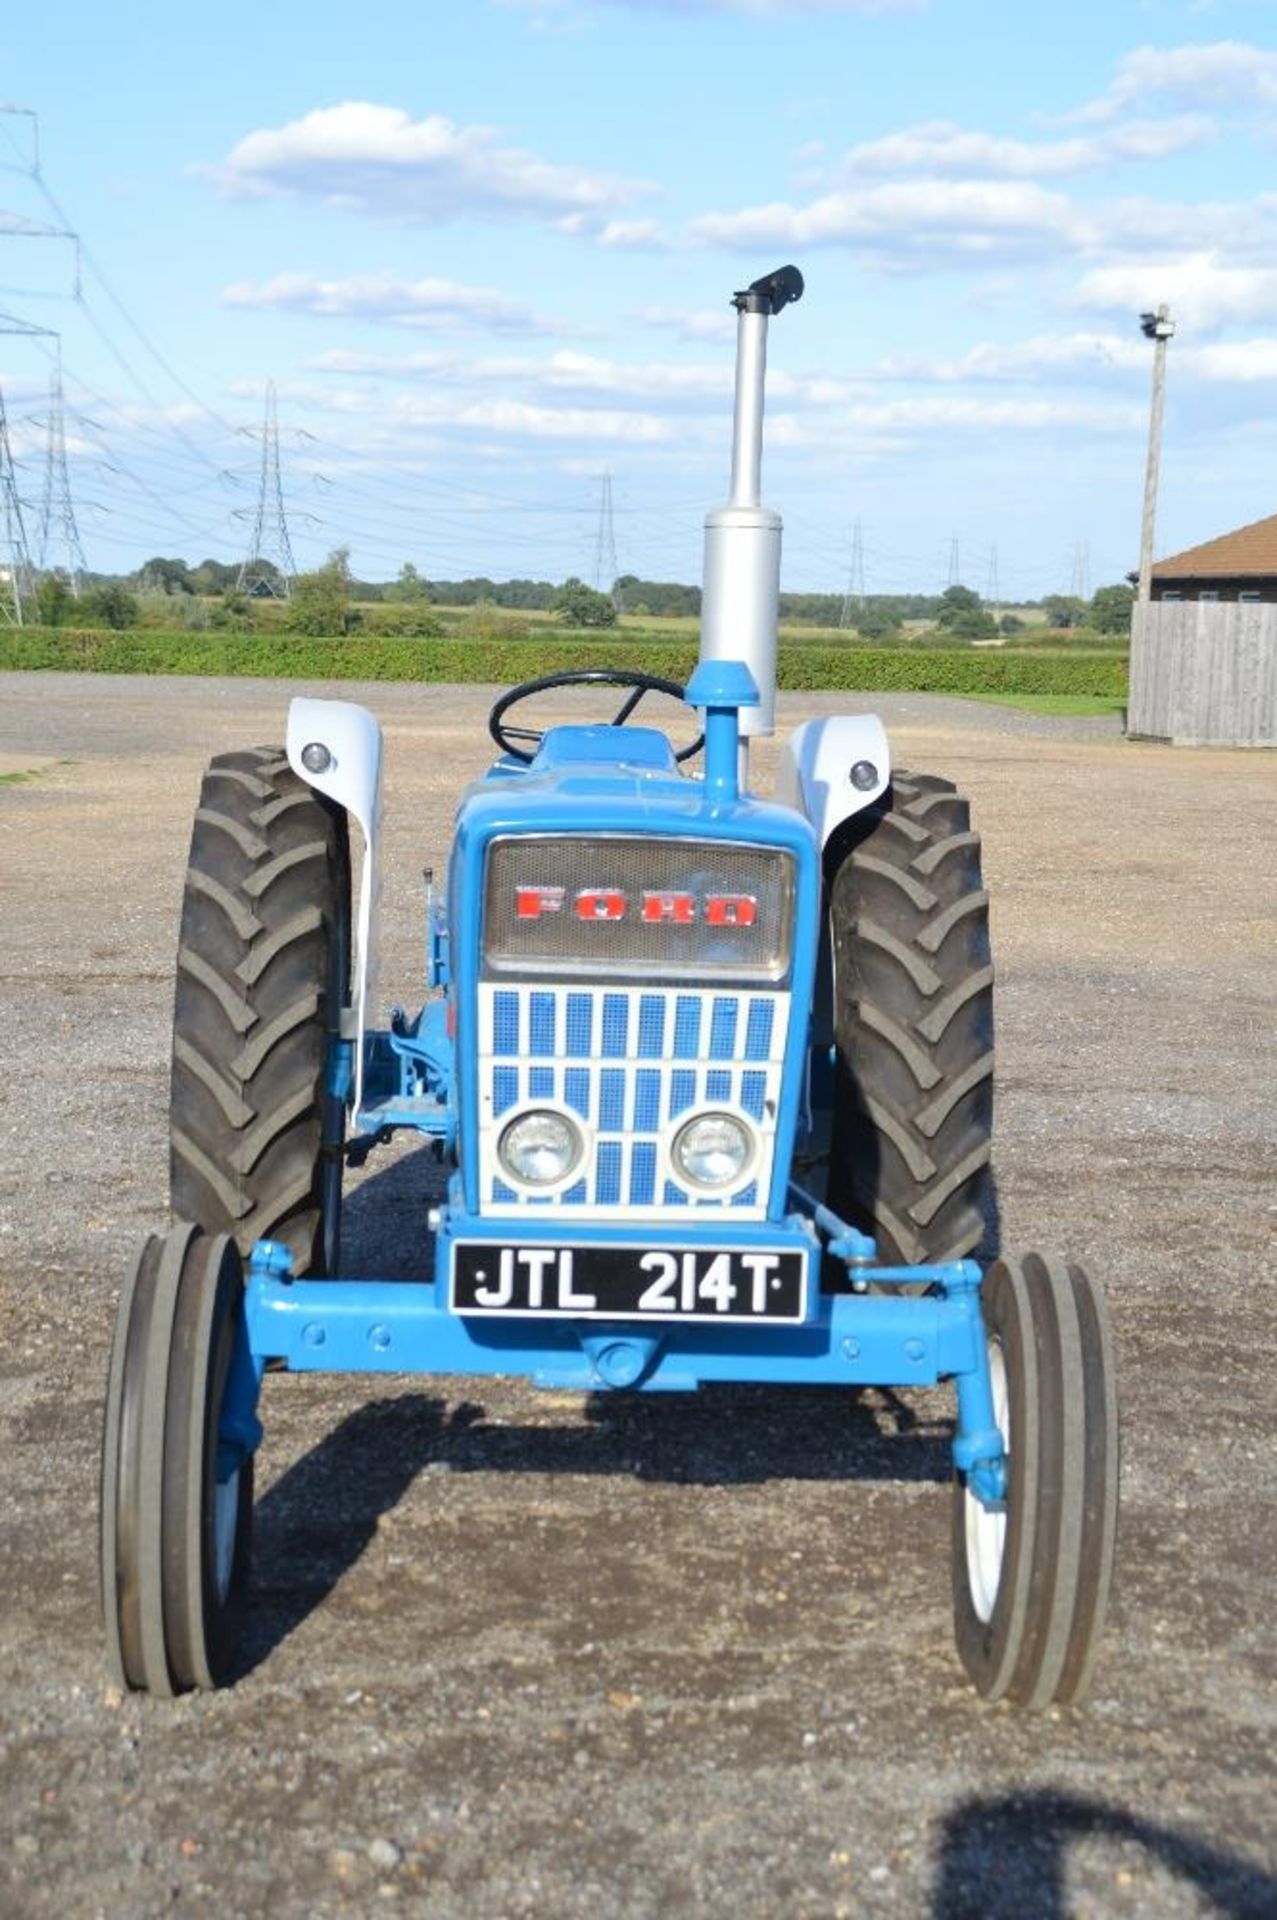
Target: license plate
722,1285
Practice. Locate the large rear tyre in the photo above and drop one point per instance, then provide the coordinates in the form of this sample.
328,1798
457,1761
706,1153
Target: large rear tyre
177,1466
262,975
1031,1583
913,1024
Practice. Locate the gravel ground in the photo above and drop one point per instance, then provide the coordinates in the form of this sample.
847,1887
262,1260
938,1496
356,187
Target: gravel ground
517,1653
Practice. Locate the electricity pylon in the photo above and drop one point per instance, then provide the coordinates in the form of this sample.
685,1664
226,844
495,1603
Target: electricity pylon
57,511
605,567
17,577
853,601
269,568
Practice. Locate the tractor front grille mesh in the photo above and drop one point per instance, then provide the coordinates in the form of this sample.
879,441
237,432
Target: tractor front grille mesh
631,1064
630,871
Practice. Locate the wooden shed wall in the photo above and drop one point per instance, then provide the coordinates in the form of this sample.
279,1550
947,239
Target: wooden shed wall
1204,673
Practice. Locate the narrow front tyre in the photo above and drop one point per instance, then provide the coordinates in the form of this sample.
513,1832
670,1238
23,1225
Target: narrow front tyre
1031,1578
177,1466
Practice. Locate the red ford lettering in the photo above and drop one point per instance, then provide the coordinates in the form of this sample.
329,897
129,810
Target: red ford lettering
679,907
531,902
601,903
731,910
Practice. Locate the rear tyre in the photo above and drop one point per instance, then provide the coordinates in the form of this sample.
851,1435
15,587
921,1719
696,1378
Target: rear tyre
913,1024
262,975
177,1466
1031,1584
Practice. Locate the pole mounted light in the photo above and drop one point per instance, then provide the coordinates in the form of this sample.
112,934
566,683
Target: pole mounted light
1159,328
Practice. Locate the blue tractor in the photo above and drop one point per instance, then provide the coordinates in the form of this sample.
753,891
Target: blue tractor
712,1077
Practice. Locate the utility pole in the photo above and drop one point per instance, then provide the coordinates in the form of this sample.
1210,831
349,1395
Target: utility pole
955,563
270,567
57,511
853,601
1159,328
605,566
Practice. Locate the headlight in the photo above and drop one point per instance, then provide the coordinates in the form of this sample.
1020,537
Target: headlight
714,1150
541,1148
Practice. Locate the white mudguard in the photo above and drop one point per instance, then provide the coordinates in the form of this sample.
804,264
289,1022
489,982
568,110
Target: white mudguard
353,780
814,774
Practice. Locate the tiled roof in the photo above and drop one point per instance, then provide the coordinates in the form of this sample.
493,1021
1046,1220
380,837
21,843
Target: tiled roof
1250,550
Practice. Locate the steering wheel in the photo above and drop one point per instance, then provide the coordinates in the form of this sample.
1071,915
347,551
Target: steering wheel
639,683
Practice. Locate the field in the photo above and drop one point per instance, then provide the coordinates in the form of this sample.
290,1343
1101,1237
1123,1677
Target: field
515,1653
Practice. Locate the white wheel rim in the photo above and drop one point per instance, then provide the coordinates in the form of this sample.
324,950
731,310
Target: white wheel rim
986,1530
225,1528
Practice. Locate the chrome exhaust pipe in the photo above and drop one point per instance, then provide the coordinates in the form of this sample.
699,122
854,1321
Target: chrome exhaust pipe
740,584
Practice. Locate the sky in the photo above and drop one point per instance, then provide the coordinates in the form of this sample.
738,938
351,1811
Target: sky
486,253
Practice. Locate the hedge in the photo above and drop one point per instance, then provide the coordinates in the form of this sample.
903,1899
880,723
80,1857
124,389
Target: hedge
501,662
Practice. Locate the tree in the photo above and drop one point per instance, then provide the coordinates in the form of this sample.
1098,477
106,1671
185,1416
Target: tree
1064,610
954,603
877,623
409,585
321,600
580,606
165,576
53,600
111,605
1010,623
1111,609
973,623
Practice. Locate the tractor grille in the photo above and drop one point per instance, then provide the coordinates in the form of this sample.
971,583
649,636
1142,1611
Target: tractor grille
631,1064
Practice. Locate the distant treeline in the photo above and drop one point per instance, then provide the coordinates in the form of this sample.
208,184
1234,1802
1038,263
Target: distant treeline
875,616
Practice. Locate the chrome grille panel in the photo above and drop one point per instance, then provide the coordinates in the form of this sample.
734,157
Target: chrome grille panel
629,1062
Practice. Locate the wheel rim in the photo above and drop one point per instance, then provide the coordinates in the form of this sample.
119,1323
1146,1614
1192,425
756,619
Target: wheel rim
986,1529
225,1530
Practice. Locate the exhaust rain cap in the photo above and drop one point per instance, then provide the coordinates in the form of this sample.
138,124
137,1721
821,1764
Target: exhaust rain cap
771,293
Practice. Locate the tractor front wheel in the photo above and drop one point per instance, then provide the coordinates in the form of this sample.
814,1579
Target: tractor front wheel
177,1466
1031,1577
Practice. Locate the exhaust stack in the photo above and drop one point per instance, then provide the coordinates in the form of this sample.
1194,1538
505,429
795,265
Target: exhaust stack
740,587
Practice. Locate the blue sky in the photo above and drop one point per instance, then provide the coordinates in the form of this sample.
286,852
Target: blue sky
486,251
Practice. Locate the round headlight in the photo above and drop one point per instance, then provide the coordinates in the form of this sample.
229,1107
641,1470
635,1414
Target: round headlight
713,1150
541,1148
864,775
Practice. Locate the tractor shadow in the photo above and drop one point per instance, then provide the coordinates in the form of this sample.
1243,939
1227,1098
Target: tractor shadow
1003,1858
314,1523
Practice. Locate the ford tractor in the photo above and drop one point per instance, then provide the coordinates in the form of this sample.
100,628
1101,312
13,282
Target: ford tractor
711,1074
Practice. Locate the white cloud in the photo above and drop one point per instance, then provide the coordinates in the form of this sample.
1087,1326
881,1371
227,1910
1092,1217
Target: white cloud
433,305
757,9
941,149
1201,291
675,384
377,160
923,223
1226,73
704,324
1087,357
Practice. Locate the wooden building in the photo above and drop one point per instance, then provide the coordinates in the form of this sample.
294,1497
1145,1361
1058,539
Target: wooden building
1240,566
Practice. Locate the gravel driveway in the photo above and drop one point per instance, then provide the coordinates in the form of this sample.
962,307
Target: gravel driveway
517,1653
